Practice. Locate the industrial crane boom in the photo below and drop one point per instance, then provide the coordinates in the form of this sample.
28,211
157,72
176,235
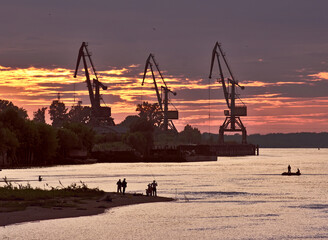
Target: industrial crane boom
232,115
163,103
216,54
150,65
101,114
82,55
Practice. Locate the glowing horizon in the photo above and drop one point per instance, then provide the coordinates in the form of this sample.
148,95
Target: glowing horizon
33,88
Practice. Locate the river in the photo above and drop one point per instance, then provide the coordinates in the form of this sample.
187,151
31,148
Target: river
232,198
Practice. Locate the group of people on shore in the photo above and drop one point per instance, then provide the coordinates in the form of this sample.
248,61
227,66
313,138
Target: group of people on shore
121,186
151,189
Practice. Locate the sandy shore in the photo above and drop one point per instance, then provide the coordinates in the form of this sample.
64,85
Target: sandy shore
82,207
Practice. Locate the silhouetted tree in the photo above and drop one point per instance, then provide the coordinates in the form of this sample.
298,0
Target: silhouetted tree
190,135
128,121
39,115
141,131
67,140
79,114
85,134
8,144
58,113
28,138
12,124
12,120
5,104
47,144
138,141
151,112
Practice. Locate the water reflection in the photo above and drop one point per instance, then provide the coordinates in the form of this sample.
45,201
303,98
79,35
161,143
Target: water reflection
234,198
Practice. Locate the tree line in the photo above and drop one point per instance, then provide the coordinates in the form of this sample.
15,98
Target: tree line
25,142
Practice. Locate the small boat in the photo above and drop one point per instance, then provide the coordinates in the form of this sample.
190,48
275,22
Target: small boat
291,174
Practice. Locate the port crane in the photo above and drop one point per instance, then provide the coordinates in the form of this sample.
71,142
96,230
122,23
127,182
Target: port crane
163,103
100,115
232,122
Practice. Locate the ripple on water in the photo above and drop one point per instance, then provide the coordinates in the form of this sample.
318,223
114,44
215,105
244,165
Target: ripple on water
311,206
218,193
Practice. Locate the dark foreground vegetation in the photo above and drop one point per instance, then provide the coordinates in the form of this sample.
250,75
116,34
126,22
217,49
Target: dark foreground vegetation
17,198
25,204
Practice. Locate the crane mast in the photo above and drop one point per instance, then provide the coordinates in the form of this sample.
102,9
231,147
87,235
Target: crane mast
100,115
163,103
232,122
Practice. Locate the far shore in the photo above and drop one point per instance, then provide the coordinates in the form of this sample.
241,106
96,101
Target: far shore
77,207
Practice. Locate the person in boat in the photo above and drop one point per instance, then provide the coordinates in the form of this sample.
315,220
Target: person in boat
40,178
298,171
289,169
119,186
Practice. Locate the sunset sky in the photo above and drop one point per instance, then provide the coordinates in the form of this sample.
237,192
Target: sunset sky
277,49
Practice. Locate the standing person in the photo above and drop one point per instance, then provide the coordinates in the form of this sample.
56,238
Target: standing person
154,187
119,186
289,168
124,185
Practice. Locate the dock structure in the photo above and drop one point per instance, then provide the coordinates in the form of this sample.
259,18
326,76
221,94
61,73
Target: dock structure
232,122
226,149
180,153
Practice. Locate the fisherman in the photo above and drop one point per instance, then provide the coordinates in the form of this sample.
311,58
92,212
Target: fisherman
119,186
40,178
124,185
289,169
154,188
298,171
149,190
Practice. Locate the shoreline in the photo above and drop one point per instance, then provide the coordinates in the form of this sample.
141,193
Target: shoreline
80,207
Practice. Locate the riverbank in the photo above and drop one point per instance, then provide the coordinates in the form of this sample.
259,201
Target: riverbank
74,207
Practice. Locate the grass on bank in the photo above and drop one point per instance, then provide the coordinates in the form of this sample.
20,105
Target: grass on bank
16,198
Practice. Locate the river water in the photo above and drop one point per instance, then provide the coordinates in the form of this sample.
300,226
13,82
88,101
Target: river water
233,198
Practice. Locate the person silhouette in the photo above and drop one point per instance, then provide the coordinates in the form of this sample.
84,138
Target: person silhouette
149,189
119,186
40,178
124,185
289,168
154,188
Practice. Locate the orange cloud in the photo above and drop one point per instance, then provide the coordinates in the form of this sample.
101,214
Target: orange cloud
33,87
319,76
